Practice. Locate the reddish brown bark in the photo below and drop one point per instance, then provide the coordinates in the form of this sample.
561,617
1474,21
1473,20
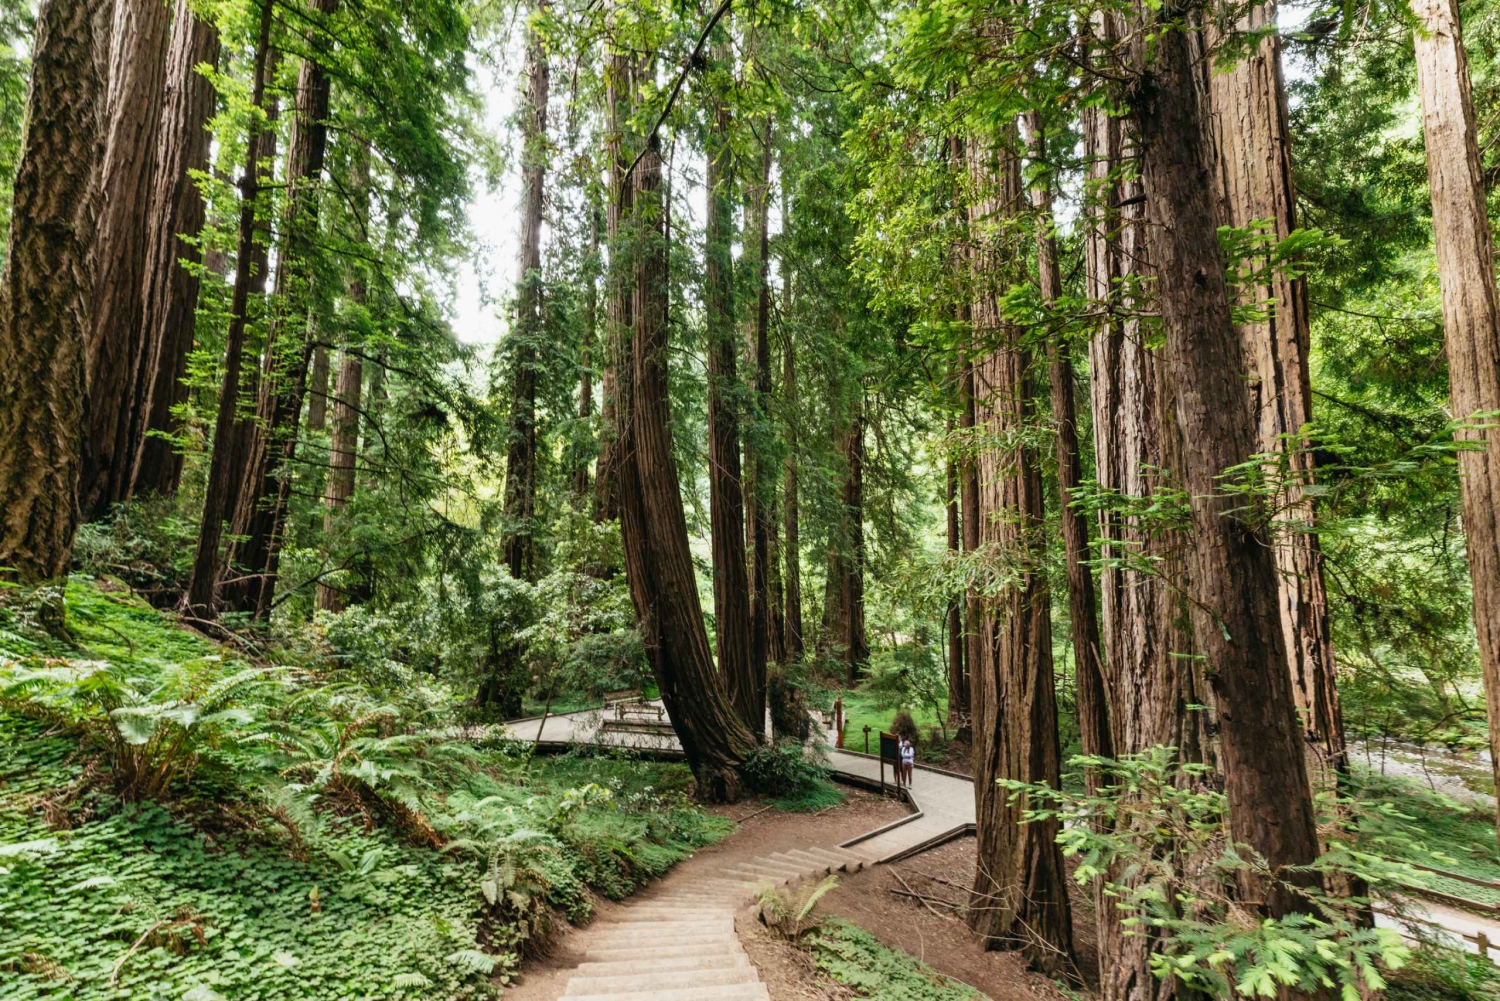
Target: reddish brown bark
119,353
619,90
1471,312
1232,571
758,356
1020,898
45,296
791,515
847,571
170,296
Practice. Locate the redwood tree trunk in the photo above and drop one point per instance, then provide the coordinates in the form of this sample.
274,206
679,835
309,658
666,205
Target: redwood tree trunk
849,556
726,499
119,370
1083,610
586,358
1471,312
791,545
520,460
342,449
46,290
1232,571
958,686
757,491
653,528
219,494
170,297
288,349
317,394
968,499
619,305
1020,896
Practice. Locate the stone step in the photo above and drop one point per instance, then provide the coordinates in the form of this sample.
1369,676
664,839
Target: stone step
779,865
614,951
663,981
660,964
844,861
808,866
754,873
669,911
731,992
617,935
650,924
820,865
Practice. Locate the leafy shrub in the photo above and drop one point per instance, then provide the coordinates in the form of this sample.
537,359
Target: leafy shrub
784,768
788,914
902,725
853,956
1441,974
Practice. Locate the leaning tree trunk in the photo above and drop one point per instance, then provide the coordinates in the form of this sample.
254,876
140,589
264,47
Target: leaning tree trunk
1471,313
1232,571
653,527
725,497
119,377
1083,609
1254,183
224,469
46,289
288,348
518,541
1020,895
170,292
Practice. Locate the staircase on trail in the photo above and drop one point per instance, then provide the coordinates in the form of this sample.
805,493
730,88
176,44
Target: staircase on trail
677,942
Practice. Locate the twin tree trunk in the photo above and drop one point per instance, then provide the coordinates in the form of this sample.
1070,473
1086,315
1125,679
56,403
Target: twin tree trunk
1232,569
653,527
521,457
726,499
46,290
1020,896
119,354
1471,313
177,211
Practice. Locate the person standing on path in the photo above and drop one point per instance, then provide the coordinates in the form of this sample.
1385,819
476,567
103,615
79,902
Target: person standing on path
908,759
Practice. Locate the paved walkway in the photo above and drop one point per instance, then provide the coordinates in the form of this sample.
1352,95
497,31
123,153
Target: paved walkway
944,809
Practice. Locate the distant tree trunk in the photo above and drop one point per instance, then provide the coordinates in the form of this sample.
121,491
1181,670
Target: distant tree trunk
520,462
343,443
758,353
1254,178
653,527
586,357
1232,571
288,349
619,318
791,547
218,496
958,686
119,377
849,555
1020,896
968,500
317,390
1471,312
46,291
726,499
170,298
1083,610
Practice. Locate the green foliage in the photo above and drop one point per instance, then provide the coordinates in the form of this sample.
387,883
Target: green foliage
785,768
853,956
790,914
1440,974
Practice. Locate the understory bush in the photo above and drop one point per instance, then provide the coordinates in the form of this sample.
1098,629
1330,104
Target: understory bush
853,956
178,822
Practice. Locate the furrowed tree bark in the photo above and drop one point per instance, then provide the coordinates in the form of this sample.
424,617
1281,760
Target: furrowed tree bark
758,352
968,498
283,382
791,549
1232,571
46,291
1471,312
586,357
1254,181
170,292
619,318
520,461
119,376
849,555
317,397
1020,897
653,528
1083,609
958,687
218,497
726,499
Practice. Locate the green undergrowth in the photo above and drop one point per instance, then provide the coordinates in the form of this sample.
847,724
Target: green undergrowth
1437,974
309,833
862,708
820,796
1444,834
854,957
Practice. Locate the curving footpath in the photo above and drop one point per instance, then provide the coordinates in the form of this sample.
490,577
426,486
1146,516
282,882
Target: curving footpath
943,809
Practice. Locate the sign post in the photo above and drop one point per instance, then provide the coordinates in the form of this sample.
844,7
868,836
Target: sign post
890,750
